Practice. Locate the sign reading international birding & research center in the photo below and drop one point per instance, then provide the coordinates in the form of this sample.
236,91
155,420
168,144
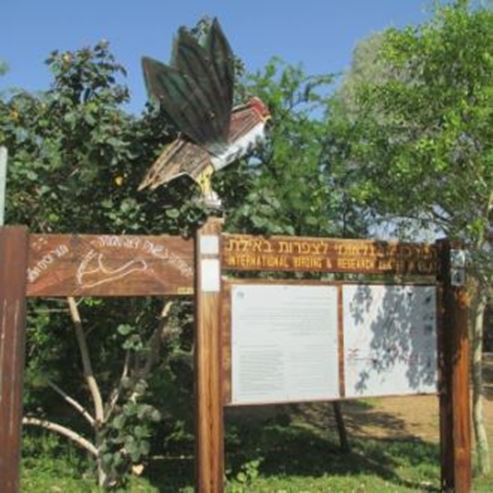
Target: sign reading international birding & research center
284,253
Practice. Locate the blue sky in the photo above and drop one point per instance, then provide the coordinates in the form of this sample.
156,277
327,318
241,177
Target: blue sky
320,34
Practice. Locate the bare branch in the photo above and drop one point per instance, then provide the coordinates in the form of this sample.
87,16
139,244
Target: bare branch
62,430
56,300
76,405
86,361
50,310
116,392
159,334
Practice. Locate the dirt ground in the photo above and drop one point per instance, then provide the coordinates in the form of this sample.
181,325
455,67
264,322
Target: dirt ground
399,417
389,417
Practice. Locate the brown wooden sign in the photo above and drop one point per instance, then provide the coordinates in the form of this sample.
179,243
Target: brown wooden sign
107,265
301,254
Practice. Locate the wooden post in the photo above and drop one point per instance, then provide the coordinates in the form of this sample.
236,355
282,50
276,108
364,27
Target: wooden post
209,439
13,268
455,420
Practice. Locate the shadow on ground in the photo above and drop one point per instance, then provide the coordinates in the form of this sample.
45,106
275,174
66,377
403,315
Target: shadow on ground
300,441
360,418
171,474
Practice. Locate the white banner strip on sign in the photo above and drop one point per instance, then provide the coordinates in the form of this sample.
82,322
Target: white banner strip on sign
210,275
209,245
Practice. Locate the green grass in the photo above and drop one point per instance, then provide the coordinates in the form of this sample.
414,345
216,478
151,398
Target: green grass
274,458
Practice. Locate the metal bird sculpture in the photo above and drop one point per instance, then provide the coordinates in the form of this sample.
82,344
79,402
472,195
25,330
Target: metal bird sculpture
196,93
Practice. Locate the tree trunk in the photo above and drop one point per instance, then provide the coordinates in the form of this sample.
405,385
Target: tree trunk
103,476
477,316
92,384
341,427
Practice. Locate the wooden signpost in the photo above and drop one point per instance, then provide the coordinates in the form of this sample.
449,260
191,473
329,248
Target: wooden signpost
108,265
314,340
209,444
13,258
36,265
437,313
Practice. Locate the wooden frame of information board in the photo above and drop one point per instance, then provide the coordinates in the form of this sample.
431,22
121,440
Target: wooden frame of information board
435,263
34,265
339,286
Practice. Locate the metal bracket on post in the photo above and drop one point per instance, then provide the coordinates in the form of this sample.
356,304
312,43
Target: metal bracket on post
458,261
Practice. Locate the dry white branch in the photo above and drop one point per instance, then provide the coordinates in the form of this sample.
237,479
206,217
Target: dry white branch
86,361
117,390
62,430
75,404
156,339
51,310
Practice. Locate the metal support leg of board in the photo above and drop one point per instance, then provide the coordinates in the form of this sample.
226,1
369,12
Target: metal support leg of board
208,394
455,420
13,269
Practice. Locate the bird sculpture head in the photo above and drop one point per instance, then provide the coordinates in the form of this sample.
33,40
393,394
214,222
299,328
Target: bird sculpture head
260,107
196,93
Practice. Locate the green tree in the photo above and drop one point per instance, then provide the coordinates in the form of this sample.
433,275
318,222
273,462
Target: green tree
287,187
75,160
417,146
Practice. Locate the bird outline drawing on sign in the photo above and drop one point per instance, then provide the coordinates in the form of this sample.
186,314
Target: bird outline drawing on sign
196,93
92,272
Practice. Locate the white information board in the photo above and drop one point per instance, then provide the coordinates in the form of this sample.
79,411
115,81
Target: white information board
284,344
389,340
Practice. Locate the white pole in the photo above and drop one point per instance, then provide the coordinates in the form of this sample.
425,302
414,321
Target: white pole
3,182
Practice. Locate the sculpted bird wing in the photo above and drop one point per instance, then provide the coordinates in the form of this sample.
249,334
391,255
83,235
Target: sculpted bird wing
181,98
197,90
181,157
184,157
222,59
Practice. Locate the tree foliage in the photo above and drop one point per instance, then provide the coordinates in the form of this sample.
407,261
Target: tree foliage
414,141
75,160
421,142
288,188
